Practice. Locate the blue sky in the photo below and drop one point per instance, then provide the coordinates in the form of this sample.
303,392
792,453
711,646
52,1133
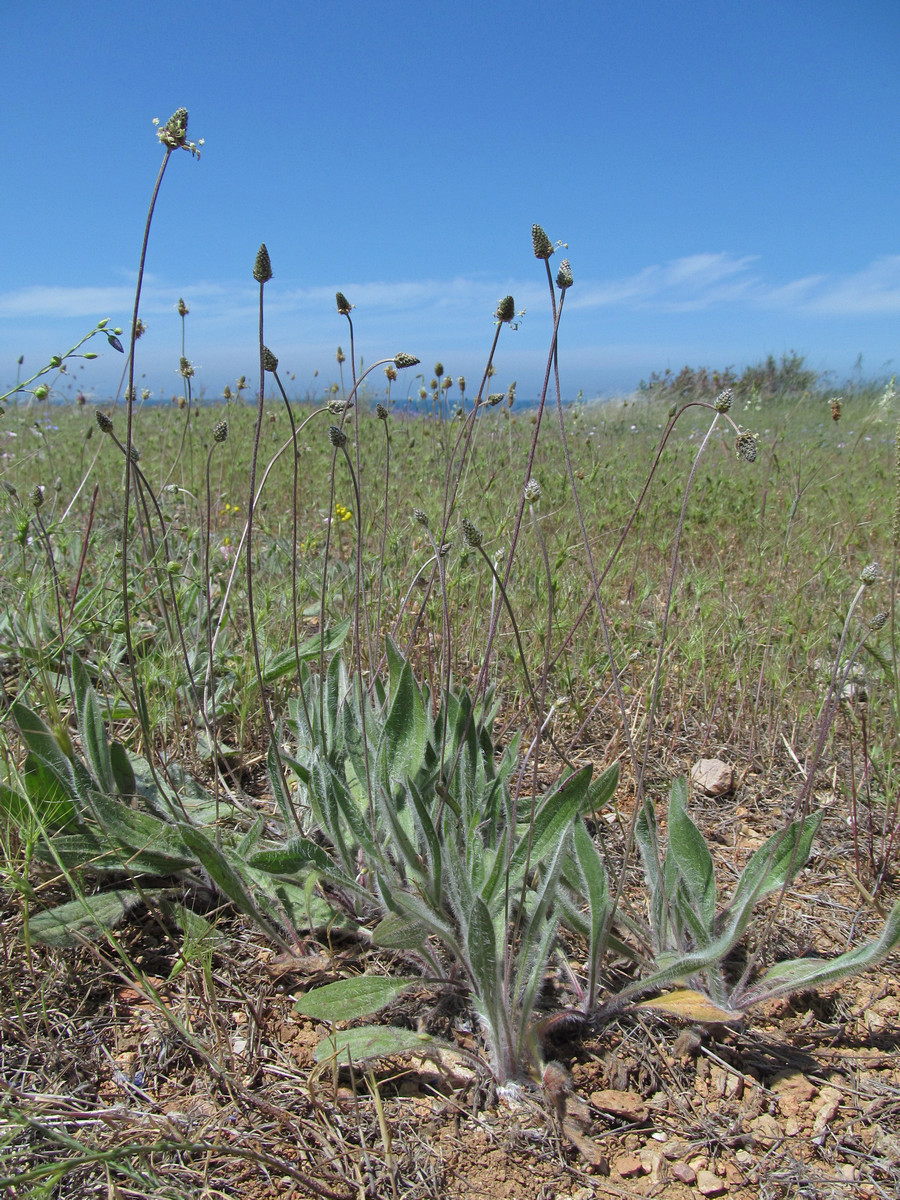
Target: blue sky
724,173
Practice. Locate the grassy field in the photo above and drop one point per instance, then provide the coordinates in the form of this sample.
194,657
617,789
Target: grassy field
351,840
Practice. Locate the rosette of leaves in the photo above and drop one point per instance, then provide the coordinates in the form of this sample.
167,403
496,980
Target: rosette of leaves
691,936
107,818
416,824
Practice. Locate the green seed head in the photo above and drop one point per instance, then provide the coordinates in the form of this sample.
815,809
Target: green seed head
439,369
220,432
543,247
564,275
270,362
343,304
337,437
134,453
746,447
405,360
262,268
506,309
471,534
870,574
104,423
41,392
723,401
36,495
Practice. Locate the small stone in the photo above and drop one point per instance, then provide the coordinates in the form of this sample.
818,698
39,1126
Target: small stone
651,1160
733,1174
726,1083
683,1173
628,1166
766,1130
793,1090
712,776
628,1106
709,1184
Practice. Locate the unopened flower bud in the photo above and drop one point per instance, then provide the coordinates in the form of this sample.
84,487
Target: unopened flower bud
870,574
36,496
262,268
337,437
41,392
381,412
270,362
420,516
104,422
746,447
471,534
220,431
338,407
174,133
564,275
532,491
439,369
405,360
879,621
723,401
496,398
543,247
506,309
343,304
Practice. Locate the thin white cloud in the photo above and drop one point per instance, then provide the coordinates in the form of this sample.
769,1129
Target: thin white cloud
692,283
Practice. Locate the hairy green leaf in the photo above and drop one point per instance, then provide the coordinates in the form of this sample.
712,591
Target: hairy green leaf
350,999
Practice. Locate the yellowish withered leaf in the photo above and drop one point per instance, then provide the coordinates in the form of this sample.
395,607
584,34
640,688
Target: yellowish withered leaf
690,1006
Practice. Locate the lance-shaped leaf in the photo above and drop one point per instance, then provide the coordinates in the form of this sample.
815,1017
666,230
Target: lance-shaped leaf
595,888
227,880
146,842
775,863
602,790
92,729
799,974
376,1041
350,999
40,739
693,859
299,855
405,729
50,796
555,816
86,917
